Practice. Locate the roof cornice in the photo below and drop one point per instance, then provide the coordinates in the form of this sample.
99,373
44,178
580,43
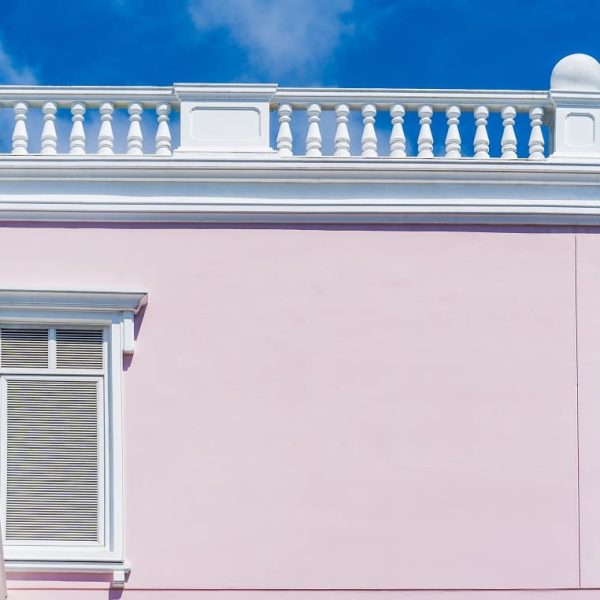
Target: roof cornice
323,190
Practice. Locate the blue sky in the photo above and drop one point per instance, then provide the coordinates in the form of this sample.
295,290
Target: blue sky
348,43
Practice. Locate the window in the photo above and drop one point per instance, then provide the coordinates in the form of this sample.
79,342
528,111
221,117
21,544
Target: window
61,496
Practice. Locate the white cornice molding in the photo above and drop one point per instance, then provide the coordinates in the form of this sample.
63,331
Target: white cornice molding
123,305
70,300
299,190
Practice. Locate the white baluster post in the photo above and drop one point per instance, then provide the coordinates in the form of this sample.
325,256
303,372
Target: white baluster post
425,139
342,135
397,137
481,143
313,135
509,138
163,132
77,137
20,137
536,139
49,137
284,135
105,136
368,141
453,140
135,139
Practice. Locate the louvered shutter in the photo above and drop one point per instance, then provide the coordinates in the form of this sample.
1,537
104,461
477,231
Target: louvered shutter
79,348
53,436
53,460
24,348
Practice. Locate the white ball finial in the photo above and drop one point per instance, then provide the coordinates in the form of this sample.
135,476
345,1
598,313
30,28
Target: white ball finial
576,72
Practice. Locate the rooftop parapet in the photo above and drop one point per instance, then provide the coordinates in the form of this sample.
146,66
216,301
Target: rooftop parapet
268,122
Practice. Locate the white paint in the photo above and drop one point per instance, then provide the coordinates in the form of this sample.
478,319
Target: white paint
77,137
49,137
342,135
453,140
397,137
576,72
509,138
224,118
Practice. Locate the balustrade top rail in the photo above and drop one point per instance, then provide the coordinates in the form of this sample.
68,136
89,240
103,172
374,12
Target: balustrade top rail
253,120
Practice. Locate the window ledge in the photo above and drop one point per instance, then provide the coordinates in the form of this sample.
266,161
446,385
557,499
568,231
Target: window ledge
119,570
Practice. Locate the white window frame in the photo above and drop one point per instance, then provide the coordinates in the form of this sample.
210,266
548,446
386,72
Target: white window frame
114,312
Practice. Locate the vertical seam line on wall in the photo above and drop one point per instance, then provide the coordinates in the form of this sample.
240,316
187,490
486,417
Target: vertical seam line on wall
577,416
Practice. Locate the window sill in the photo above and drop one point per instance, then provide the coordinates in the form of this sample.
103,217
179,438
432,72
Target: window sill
119,570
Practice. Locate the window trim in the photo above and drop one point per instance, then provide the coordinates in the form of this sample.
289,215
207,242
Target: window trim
113,310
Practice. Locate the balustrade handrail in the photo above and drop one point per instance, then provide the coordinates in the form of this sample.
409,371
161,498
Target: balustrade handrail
36,95
439,99
92,96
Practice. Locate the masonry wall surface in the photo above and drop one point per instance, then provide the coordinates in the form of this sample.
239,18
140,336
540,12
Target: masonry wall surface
323,408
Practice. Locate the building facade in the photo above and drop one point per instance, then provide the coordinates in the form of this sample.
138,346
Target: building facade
301,343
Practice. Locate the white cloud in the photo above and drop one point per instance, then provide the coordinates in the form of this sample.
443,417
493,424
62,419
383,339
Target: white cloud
11,73
280,36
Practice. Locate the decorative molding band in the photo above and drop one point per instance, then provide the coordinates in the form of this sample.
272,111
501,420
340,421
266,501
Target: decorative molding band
322,190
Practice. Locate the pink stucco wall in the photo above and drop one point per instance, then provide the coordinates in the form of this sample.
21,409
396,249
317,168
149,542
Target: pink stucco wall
347,408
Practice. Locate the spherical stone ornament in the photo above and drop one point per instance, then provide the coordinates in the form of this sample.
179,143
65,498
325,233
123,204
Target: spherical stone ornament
576,72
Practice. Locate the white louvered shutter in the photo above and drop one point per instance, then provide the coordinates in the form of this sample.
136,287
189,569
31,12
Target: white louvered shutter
53,458
25,348
79,348
53,438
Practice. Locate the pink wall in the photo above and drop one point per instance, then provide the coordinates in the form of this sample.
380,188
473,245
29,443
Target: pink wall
348,408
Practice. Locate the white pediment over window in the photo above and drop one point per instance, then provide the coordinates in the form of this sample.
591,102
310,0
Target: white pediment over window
123,305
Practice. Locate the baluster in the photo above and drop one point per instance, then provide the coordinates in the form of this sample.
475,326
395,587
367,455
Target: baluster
536,139
49,137
313,135
135,139
481,143
425,139
163,133
105,136
77,137
397,137
342,135
368,141
509,138
284,135
20,137
453,140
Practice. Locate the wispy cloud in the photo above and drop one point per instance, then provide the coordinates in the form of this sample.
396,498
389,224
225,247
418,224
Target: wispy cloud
11,72
284,37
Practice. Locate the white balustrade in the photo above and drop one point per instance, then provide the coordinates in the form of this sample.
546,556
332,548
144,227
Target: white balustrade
509,139
345,107
368,140
77,137
425,139
284,136
135,140
397,137
49,137
20,138
163,132
481,143
453,140
342,135
106,137
536,139
313,135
